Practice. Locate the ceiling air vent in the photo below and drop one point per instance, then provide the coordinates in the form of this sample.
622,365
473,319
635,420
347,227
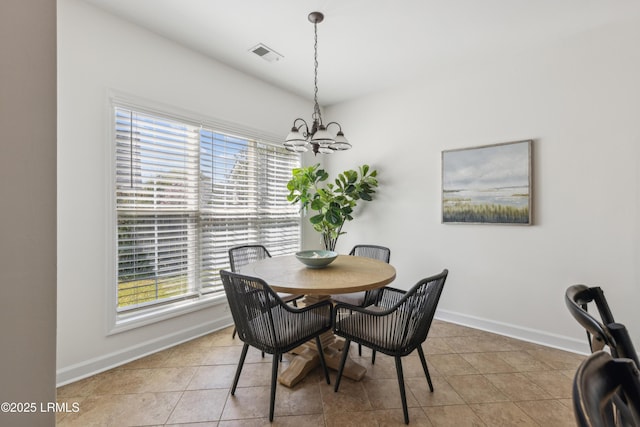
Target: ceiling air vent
266,53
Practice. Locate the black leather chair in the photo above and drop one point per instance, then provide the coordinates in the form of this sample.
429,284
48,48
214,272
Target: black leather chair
245,254
398,325
605,332
606,392
267,323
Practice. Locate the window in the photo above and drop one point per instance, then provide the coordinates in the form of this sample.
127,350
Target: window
185,194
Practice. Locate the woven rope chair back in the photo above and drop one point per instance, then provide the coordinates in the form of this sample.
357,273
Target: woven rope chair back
372,251
242,255
381,253
415,311
255,308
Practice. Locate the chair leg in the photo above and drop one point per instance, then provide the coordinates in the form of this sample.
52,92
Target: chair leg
424,366
233,335
403,395
322,361
373,357
239,369
343,360
274,378
359,349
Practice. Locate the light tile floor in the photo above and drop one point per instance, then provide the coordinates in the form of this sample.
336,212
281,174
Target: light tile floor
480,379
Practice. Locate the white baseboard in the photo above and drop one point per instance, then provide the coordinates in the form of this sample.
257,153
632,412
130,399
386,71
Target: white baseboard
99,364
514,331
103,363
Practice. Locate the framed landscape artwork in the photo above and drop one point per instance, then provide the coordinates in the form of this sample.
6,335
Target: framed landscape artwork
489,184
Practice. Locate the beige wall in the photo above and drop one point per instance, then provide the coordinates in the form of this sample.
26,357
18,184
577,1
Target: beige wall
92,46
577,98
28,214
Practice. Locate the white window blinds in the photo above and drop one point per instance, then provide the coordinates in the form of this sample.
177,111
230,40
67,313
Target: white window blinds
185,194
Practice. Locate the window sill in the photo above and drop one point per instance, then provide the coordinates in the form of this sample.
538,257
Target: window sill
127,321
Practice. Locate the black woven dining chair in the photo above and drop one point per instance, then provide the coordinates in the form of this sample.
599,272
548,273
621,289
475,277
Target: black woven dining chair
365,298
398,325
600,333
606,392
245,254
267,323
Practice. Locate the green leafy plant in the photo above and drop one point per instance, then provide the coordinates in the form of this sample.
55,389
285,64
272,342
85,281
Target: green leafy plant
333,202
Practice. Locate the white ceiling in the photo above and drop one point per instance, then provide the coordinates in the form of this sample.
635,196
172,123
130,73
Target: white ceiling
363,45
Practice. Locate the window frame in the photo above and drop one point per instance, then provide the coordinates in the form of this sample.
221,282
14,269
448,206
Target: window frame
117,319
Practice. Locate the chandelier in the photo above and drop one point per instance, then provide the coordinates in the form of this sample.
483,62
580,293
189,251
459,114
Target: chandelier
317,136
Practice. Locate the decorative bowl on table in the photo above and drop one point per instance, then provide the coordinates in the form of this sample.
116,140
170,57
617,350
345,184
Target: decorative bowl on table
316,258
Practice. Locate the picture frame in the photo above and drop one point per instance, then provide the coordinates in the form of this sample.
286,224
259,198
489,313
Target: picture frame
489,184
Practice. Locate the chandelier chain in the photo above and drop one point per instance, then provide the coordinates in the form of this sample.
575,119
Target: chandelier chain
316,107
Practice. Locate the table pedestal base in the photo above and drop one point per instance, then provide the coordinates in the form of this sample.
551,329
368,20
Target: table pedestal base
307,357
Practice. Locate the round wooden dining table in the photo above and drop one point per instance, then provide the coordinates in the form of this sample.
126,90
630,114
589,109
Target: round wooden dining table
344,275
